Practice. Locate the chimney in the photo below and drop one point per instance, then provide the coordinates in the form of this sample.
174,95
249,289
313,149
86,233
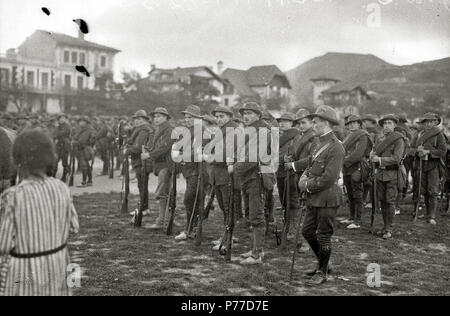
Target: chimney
220,68
152,67
80,35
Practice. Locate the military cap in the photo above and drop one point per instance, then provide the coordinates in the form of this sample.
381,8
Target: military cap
193,110
141,114
161,110
301,114
327,113
389,117
370,117
353,118
267,116
210,119
287,117
402,118
223,109
251,106
431,117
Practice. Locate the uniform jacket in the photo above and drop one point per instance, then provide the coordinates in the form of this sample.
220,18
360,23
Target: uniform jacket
304,145
140,137
434,141
62,137
357,147
219,172
324,172
247,170
190,169
160,147
287,148
391,148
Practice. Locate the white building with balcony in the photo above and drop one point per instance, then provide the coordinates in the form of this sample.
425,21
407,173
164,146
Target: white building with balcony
41,75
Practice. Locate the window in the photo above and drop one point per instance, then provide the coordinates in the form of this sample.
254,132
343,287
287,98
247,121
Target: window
103,61
74,57
44,80
82,58
4,77
80,83
67,81
66,57
30,78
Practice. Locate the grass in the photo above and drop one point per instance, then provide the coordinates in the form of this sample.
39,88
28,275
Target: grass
118,259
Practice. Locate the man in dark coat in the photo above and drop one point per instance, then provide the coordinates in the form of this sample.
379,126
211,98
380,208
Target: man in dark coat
288,135
159,155
142,134
84,142
256,176
431,148
62,145
358,146
388,155
324,196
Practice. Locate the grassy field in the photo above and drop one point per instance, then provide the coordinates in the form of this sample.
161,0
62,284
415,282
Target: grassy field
119,260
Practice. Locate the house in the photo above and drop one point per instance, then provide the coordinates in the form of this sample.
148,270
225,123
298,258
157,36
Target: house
41,75
209,85
264,82
321,84
345,94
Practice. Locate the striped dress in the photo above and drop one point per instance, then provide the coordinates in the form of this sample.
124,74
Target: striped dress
36,216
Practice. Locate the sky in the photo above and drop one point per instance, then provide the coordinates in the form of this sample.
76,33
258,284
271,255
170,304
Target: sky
241,33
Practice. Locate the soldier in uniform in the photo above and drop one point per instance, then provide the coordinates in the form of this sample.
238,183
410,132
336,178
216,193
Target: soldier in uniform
102,146
255,177
84,142
288,135
141,136
431,148
358,146
270,200
221,167
62,145
190,169
324,196
387,156
159,154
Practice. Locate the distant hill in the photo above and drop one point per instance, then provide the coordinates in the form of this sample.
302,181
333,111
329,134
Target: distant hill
340,66
377,77
407,82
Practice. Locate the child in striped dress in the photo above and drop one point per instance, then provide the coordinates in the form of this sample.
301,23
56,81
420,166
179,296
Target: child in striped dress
36,217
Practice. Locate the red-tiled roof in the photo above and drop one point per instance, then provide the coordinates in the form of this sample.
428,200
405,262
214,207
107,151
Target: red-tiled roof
259,76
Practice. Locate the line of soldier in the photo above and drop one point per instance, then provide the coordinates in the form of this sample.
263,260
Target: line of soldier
316,152
80,136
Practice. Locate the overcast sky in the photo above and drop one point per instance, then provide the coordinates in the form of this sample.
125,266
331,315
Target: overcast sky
241,33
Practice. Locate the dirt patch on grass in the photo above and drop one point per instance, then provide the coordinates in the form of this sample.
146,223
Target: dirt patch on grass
120,260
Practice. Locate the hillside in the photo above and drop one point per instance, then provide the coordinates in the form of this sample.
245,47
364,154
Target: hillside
340,66
411,81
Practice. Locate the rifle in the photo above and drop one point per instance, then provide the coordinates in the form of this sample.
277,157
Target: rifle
419,191
144,186
287,215
228,240
172,203
374,197
210,198
297,233
126,177
72,165
201,206
194,213
111,156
